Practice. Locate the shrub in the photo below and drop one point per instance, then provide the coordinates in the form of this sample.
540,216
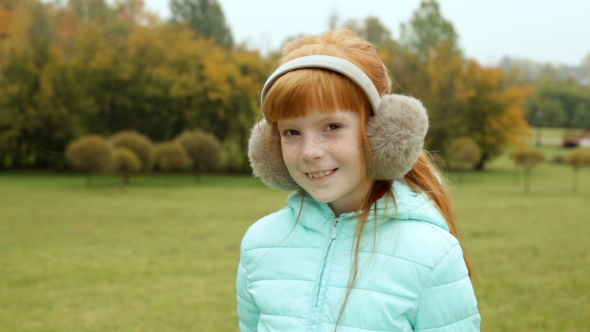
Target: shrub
136,142
577,159
559,159
464,153
90,154
126,162
203,149
527,159
169,157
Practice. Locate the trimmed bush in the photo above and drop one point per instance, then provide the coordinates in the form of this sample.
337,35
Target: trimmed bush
527,159
560,160
464,153
577,159
169,157
126,162
203,149
136,142
90,154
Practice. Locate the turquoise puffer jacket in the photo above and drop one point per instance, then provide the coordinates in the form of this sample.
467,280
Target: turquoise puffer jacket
412,276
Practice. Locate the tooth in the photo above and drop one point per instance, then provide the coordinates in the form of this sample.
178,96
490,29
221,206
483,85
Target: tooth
319,174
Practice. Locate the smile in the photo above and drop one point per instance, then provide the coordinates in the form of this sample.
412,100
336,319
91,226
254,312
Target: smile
320,174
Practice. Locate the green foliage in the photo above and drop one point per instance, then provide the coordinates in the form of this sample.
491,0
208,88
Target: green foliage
36,123
126,162
464,151
169,157
581,116
203,149
463,98
371,28
90,154
93,67
527,159
205,17
577,159
139,144
426,29
561,104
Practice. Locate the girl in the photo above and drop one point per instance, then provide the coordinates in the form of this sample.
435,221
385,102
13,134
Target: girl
368,240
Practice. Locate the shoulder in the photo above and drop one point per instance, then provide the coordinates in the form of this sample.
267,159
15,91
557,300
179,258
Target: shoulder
421,242
268,229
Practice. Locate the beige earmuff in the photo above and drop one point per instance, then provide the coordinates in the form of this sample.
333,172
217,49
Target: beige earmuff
396,131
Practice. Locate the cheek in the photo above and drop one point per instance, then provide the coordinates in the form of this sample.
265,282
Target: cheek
289,154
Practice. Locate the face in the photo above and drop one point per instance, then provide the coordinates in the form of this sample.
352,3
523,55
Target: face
322,154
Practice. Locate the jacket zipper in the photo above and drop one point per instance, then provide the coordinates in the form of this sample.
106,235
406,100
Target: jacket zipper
334,232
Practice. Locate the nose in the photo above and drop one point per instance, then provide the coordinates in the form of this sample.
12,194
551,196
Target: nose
312,148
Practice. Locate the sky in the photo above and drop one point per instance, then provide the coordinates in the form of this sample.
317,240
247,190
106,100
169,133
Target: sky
553,31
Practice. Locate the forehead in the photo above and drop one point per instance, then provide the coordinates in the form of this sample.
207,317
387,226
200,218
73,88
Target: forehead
300,92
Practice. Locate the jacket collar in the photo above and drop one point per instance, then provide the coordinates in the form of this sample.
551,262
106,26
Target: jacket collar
408,205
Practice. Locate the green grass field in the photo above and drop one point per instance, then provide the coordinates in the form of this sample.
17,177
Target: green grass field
164,258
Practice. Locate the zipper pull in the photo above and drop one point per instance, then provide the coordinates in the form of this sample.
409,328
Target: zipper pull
335,228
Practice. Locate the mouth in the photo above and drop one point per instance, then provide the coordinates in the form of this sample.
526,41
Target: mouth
322,174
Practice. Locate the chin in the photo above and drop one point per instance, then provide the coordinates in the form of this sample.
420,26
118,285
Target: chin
321,198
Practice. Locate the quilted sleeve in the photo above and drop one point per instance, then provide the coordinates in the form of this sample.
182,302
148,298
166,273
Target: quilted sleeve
447,302
248,312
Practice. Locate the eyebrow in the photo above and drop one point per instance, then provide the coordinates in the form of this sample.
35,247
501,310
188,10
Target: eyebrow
328,117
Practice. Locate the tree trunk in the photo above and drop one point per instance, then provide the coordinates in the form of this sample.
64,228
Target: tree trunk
481,164
575,181
527,175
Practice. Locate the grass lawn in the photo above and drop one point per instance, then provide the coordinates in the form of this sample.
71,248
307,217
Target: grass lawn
161,258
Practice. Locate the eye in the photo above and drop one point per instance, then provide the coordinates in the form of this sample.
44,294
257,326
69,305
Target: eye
332,126
290,132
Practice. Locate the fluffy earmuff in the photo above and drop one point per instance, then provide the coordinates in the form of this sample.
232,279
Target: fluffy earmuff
396,131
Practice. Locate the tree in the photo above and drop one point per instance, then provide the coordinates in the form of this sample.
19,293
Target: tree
527,159
488,111
427,28
582,116
586,65
577,159
571,98
203,149
96,66
464,152
205,17
371,28
139,144
547,113
169,157
126,162
90,154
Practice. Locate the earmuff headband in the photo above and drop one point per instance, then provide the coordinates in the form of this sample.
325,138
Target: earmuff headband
335,64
